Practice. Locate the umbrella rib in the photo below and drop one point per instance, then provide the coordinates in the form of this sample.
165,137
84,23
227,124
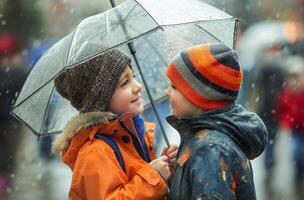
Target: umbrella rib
29,127
148,13
15,106
116,22
130,12
66,59
209,33
46,110
154,49
25,123
199,21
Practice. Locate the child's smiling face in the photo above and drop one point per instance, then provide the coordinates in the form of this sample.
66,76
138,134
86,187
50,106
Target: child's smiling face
181,107
127,95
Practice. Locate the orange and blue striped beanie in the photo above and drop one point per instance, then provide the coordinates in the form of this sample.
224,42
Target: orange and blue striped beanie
208,75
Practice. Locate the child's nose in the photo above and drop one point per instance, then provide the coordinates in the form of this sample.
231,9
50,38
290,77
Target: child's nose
168,91
137,86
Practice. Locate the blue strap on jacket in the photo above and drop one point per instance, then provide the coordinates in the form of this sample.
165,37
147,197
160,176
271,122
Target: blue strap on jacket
139,124
112,143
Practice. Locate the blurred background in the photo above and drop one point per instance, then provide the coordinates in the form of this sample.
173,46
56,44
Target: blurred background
270,43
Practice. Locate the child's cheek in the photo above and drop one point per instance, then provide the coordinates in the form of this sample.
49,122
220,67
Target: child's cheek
124,105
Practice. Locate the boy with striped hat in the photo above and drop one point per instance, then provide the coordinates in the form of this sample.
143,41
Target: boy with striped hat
218,136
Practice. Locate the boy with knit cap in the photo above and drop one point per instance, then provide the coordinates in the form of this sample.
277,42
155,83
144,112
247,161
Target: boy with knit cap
108,146
218,136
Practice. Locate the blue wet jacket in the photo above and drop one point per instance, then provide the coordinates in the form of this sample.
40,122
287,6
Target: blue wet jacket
213,160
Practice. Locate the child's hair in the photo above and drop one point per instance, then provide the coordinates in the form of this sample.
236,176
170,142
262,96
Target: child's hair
208,75
89,86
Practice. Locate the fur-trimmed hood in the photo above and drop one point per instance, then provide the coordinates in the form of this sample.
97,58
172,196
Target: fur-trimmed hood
77,123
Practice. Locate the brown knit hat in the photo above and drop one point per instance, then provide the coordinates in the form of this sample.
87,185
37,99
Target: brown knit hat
89,86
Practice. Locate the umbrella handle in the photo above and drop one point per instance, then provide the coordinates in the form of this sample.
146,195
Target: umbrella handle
133,52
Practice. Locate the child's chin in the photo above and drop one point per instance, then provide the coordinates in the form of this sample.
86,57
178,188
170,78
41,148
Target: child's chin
137,111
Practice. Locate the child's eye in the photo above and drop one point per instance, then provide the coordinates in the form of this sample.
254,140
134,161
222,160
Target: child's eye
125,83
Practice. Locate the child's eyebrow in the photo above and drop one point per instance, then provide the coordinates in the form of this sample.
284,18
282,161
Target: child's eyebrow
124,76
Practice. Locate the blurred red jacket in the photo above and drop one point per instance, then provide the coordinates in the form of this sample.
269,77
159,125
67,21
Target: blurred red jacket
290,110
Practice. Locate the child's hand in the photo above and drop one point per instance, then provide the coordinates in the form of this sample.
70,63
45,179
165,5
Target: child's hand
162,167
171,152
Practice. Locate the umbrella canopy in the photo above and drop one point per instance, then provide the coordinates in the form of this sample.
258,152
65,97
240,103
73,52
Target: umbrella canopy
158,30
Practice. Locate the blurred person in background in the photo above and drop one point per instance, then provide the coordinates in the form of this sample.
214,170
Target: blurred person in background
269,80
290,114
12,76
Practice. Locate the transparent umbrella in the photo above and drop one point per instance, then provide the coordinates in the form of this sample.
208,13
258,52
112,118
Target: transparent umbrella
151,32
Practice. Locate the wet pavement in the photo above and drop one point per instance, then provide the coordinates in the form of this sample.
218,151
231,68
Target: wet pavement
36,179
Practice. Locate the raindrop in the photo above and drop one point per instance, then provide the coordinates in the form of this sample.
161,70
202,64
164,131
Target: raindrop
16,94
7,69
12,175
72,10
273,111
8,190
1,15
247,7
257,99
271,142
252,85
24,52
278,15
0,93
22,165
3,23
7,91
39,176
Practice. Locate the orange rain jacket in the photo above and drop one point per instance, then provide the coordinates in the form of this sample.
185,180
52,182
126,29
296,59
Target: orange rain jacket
96,170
